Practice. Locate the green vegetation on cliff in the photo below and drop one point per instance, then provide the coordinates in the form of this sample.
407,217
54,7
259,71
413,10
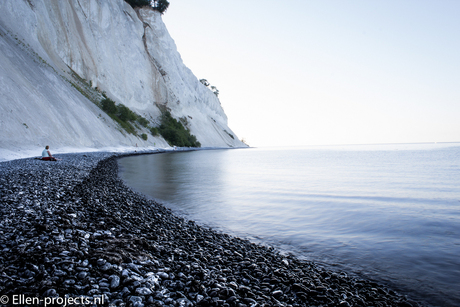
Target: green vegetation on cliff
159,5
175,133
172,130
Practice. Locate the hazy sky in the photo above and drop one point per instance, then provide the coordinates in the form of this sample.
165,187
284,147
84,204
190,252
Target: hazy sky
301,72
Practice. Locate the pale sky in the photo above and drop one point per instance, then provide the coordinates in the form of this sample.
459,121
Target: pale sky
301,72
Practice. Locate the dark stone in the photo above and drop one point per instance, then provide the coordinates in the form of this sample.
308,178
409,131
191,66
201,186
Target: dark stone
90,234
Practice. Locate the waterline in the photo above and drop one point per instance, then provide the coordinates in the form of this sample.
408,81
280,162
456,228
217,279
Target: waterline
392,214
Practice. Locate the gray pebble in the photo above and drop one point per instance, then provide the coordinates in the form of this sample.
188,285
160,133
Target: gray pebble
114,281
81,221
143,291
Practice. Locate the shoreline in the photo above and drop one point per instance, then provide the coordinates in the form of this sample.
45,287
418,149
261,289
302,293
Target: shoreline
72,227
28,153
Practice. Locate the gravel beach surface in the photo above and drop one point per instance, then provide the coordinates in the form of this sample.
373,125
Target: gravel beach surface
71,233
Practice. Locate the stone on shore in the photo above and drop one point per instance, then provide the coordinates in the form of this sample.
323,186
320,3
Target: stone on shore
72,228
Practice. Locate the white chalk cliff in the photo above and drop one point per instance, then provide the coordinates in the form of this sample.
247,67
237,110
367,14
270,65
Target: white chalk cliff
58,56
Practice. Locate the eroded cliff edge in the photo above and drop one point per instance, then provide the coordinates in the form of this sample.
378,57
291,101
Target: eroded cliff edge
56,57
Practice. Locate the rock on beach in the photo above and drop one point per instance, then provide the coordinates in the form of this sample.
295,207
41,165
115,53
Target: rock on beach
71,228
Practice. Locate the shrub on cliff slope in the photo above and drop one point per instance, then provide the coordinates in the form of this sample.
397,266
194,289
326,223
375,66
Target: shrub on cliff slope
119,113
108,105
175,133
125,114
172,130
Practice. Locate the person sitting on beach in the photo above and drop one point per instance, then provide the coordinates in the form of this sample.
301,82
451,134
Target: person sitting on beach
46,155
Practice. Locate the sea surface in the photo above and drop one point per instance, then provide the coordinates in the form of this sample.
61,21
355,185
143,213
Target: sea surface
389,213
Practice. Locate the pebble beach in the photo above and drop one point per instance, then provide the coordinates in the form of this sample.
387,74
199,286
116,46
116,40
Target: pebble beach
71,232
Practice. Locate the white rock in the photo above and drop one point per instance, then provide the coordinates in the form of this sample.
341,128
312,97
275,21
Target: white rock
126,53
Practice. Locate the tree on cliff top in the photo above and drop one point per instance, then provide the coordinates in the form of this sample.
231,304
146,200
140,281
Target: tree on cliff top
159,5
138,3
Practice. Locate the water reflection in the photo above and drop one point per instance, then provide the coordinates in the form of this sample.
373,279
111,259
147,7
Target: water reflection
392,214
171,178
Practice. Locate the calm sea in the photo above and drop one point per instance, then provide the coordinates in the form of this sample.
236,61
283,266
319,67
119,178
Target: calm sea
390,213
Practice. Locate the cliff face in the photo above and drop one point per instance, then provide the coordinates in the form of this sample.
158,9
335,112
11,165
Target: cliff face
57,56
